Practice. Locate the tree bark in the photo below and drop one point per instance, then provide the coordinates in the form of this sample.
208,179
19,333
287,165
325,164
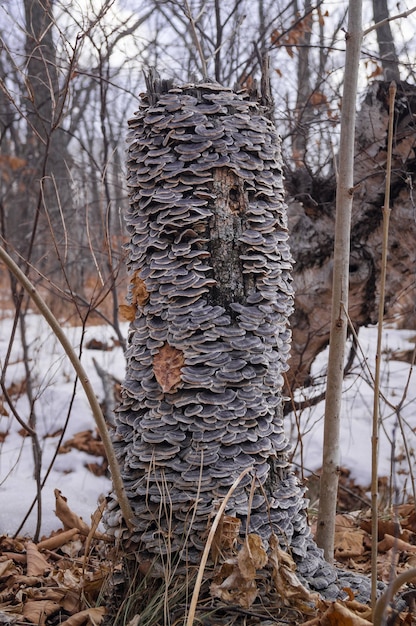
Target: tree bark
388,54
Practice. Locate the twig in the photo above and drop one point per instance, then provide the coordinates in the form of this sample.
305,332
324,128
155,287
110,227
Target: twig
381,604
387,20
95,407
375,430
195,37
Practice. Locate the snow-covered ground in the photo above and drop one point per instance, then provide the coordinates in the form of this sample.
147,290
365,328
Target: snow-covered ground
397,413
54,379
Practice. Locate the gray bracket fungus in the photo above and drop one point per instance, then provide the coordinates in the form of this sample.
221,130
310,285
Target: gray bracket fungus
195,153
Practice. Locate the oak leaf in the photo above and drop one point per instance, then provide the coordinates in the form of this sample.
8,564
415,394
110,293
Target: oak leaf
167,366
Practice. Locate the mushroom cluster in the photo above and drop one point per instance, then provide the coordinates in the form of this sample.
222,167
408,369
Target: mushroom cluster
201,400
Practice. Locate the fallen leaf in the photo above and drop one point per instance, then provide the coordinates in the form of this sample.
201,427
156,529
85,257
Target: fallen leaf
393,542
225,536
349,543
342,522
37,565
236,580
339,615
252,556
139,293
234,588
286,583
38,610
58,540
6,568
15,556
68,518
93,617
85,441
167,366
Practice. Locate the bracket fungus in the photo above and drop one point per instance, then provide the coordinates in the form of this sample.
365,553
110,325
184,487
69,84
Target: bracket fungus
201,400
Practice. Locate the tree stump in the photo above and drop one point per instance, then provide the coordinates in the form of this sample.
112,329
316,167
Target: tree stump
210,298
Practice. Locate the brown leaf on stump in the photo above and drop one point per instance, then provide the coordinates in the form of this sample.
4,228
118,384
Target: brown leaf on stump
225,537
167,366
139,297
127,312
235,582
139,293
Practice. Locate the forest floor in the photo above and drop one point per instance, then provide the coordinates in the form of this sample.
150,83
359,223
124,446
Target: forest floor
67,577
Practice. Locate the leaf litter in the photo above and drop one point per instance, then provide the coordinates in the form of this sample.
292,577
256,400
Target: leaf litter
57,580
61,579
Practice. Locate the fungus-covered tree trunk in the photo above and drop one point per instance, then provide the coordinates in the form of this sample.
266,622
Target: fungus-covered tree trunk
211,295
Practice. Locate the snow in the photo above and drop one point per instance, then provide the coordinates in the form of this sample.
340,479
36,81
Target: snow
54,377
397,413
56,407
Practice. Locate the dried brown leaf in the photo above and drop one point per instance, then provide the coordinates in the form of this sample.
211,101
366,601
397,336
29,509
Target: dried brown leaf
27,581
252,556
286,582
343,521
225,536
85,441
234,588
68,518
167,366
139,293
339,615
393,542
37,565
38,610
7,568
71,602
89,617
127,312
58,540
236,580
349,543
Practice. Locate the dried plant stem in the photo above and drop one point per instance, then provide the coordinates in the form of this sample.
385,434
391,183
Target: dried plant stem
381,605
95,407
204,558
375,428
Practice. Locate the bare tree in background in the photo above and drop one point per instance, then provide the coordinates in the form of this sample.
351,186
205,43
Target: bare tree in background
386,45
